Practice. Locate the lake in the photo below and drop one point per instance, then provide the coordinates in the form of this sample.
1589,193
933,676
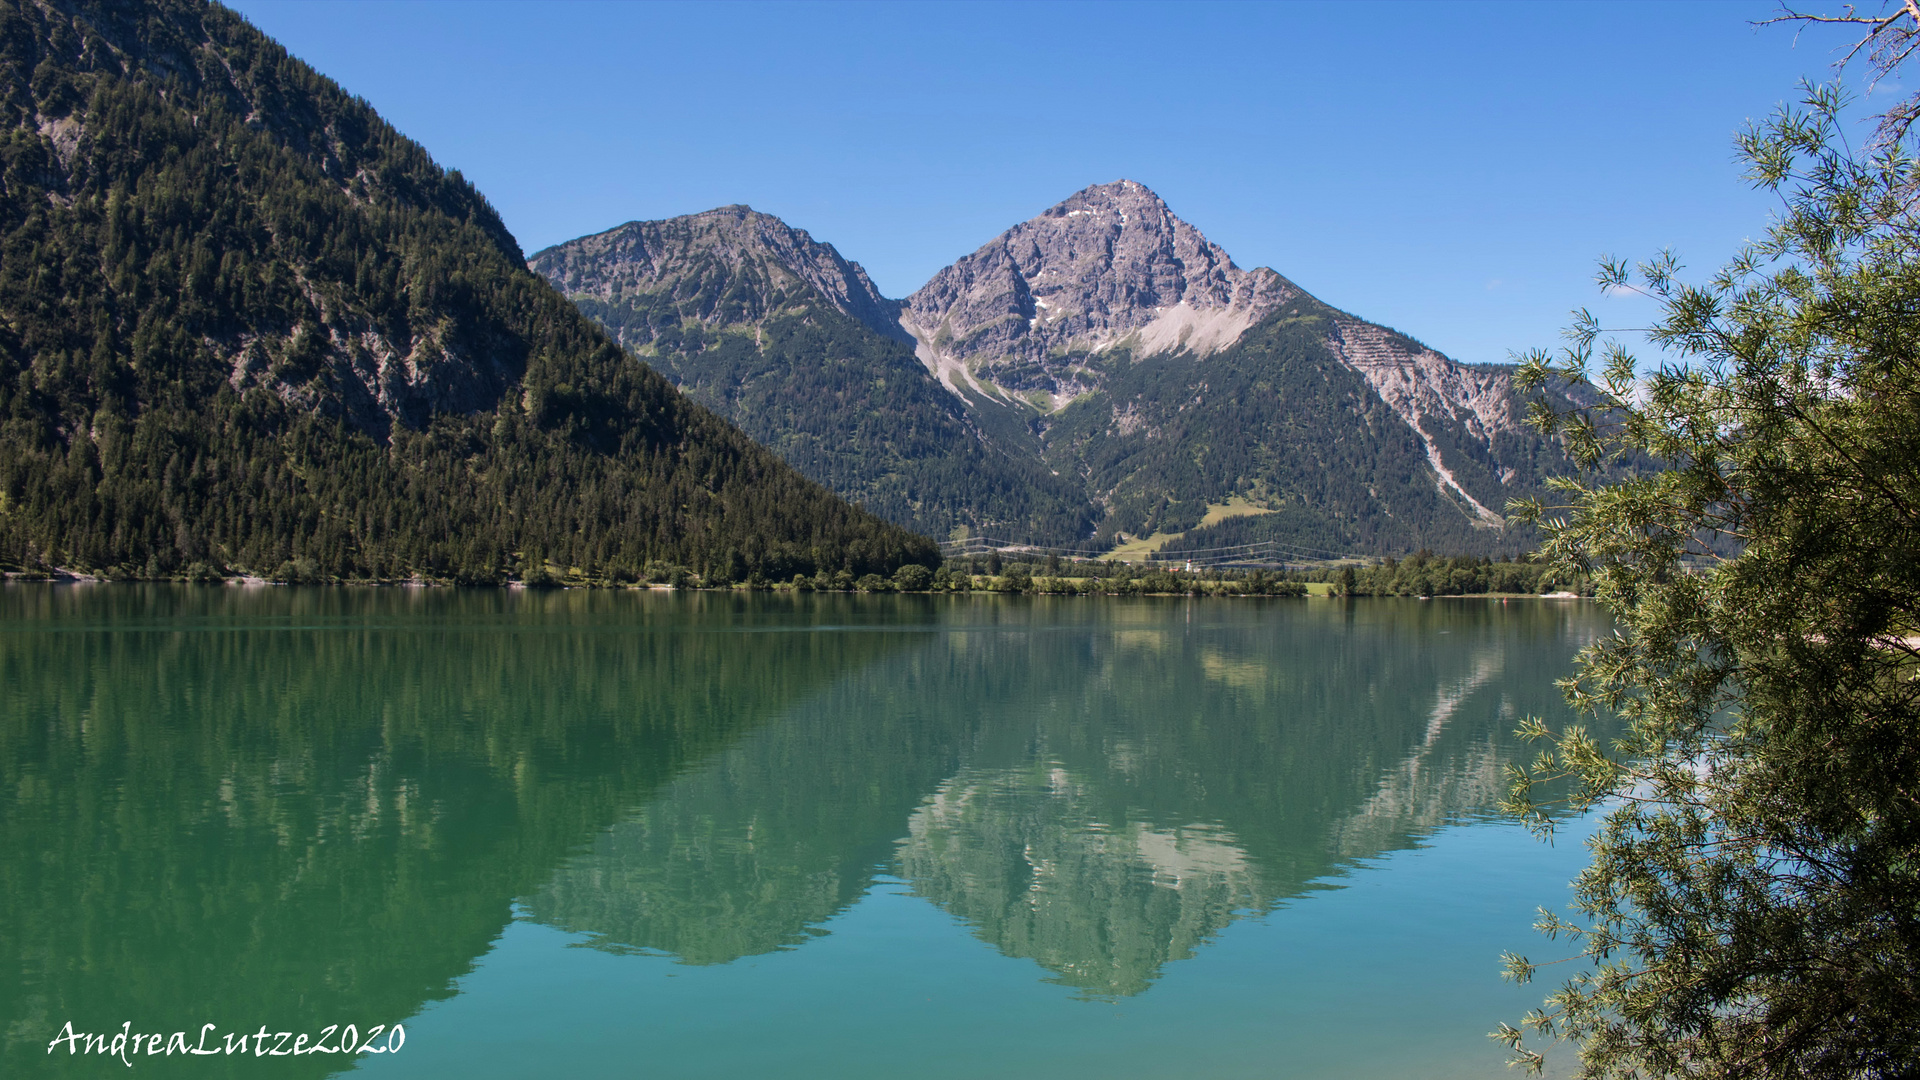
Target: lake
633,833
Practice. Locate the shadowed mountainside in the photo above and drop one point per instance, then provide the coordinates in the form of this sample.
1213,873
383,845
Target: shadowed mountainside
245,325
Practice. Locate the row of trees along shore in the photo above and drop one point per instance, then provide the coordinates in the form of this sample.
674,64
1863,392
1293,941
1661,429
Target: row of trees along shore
1425,574
1422,574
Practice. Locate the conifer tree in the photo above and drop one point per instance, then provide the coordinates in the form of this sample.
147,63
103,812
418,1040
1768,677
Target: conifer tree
1752,908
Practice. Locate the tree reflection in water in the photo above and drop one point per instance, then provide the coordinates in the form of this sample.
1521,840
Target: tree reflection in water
314,806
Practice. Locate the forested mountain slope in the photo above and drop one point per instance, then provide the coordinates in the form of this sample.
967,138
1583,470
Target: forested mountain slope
784,337
1320,459
1172,380
247,326
1098,374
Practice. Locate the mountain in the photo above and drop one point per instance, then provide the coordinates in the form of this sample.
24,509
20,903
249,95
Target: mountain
784,337
1109,268
1098,375
728,267
247,326
1278,439
1187,390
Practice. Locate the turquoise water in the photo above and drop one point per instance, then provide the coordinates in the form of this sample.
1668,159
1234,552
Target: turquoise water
700,835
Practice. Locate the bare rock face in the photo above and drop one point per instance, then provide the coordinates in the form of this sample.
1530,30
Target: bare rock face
730,263
1111,266
370,380
1429,391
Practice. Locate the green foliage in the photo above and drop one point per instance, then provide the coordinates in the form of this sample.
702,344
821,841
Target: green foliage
1018,579
1423,574
247,327
1751,910
912,578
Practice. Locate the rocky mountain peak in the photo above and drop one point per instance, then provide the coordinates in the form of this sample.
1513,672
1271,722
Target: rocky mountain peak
1109,266
726,266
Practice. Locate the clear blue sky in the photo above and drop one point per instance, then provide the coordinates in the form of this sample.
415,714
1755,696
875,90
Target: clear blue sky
1451,170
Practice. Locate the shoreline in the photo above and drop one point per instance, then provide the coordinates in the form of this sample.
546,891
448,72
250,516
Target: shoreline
69,577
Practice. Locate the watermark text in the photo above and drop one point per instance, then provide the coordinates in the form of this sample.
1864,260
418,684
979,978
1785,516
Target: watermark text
128,1044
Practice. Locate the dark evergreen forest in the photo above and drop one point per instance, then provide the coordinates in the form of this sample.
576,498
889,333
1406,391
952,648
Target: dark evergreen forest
847,407
248,327
1276,418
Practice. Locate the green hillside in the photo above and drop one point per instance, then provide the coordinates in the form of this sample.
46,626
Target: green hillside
856,412
246,326
718,302
1275,420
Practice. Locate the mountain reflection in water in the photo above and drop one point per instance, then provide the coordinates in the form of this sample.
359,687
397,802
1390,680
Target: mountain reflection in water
1098,788
293,805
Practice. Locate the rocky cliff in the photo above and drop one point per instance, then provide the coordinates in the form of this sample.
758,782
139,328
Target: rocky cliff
1110,267
729,265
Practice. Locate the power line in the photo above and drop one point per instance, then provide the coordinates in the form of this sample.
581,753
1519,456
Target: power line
985,543
1266,543
1212,556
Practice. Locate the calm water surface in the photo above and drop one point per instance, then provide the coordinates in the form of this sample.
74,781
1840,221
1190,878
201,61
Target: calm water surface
693,835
